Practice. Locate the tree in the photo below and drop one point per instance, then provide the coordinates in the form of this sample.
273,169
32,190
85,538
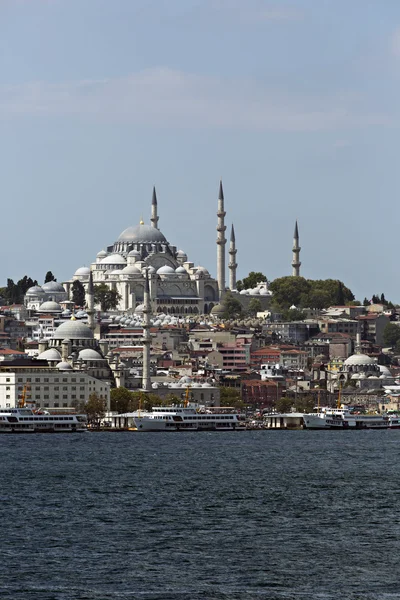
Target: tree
14,293
232,307
78,293
95,409
304,404
391,335
121,399
293,314
49,277
366,302
231,397
288,290
251,281
108,299
284,404
254,307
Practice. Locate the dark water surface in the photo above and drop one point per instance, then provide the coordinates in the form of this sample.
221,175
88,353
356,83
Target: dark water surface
277,515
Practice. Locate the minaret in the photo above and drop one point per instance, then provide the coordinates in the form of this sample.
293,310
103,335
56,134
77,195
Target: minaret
296,253
146,381
232,261
154,215
221,241
90,301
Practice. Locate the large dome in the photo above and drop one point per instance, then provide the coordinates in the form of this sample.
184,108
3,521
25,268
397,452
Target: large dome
53,286
73,330
142,234
359,359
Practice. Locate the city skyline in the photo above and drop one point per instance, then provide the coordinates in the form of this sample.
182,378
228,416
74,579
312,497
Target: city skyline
292,104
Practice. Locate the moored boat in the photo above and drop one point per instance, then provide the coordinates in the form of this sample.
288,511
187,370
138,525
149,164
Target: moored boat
344,418
26,420
189,418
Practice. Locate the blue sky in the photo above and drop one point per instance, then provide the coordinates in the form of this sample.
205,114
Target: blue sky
294,104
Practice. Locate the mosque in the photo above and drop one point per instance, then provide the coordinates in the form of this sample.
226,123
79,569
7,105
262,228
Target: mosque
177,286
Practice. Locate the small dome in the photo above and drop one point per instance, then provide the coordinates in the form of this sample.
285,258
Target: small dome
82,272
36,290
202,269
150,270
138,309
53,286
142,234
206,385
102,254
64,366
116,272
89,354
243,292
73,330
359,359
218,310
50,306
130,270
264,292
50,354
113,259
166,270
181,270
134,254
181,254
255,292
185,379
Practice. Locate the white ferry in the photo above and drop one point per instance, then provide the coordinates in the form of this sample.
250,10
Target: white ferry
189,418
344,418
25,420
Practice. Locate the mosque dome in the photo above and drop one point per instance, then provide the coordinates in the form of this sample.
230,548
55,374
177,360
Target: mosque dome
102,254
50,354
89,354
73,330
49,307
202,270
36,290
243,292
142,234
53,286
130,270
359,359
113,259
64,366
82,272
181,254
134,254
255,292
218,310
181,270
139,309
166,270
150,270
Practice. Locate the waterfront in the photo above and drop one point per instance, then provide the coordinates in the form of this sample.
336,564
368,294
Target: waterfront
274,515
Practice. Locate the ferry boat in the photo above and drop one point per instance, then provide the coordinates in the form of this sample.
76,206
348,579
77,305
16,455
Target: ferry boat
189,418
344,418
26,420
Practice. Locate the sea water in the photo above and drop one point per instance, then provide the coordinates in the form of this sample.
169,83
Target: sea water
158,516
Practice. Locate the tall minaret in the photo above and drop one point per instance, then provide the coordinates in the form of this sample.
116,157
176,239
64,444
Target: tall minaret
154,215
232,261
146,340
90,301
296,253
221,241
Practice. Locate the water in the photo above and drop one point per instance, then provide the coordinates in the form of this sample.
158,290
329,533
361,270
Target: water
238,515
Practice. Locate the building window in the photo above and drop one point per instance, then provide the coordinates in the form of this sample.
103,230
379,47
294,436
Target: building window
65,388
7,397
65,404
65,380
82,396
56,387
37,379
73,396
56,396
8,387
46,396
65,396
46,405
46,387
55,404
8,379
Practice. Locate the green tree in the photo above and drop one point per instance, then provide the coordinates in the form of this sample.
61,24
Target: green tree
78,293
108,299
284,405
304,404
250,281
254,307
232,307
231,397
366,302
293,314
95,409
14,293
121,399
289,290
391,335
49,277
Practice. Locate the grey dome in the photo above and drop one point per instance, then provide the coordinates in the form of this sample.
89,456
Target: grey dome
49,306
218,310
50,354
134,253
166,270
89,354
53,286
113,259
359,359
130,270
64,366
102,254
36,290
82,272
73,330
141,234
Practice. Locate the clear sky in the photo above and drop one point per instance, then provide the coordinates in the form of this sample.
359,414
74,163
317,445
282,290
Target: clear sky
295,104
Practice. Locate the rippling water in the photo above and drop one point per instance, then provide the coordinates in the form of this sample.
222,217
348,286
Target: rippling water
264,514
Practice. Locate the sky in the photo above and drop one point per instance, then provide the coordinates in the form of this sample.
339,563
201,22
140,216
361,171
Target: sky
294,104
